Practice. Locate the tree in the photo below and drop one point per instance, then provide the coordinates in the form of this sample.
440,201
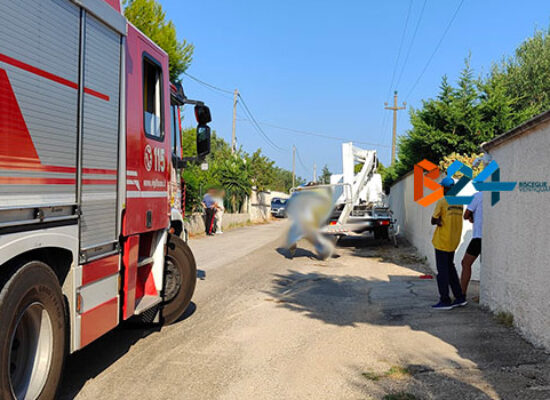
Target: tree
236,173
282,180
460,118
325,175
235,179
261,170
189,142
527,74
148,17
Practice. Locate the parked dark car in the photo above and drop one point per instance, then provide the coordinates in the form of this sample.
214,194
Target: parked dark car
278,207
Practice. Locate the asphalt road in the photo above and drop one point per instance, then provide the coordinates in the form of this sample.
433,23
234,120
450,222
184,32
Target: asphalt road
358,326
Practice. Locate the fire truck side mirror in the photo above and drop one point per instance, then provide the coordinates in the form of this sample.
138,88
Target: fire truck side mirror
203,141
202,114
177,162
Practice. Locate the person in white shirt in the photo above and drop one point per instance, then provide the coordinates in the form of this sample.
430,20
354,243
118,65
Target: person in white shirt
220,209
474,214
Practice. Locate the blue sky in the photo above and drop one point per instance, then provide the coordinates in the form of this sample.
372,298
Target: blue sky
326,66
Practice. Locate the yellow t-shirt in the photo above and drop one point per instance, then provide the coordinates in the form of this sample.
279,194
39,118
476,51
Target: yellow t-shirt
447,236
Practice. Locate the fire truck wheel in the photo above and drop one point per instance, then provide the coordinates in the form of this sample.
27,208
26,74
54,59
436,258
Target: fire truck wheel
180,279
32,337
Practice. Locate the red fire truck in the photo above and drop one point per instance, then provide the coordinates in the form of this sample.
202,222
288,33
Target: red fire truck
89,151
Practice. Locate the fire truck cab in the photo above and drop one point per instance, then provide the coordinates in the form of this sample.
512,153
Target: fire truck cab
90,155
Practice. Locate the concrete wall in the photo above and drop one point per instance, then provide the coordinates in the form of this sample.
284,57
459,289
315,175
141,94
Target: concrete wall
195,223
256,209
516,237
259,204
414,223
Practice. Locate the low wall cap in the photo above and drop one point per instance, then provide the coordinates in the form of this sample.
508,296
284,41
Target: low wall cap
517,131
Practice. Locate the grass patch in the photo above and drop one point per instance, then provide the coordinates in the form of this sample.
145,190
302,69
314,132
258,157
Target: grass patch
394,372
400,396
371,376
505,318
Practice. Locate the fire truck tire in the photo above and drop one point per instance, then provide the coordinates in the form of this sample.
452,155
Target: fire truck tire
33,333
180,279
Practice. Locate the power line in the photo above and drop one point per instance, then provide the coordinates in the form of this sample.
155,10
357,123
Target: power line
321,135
306,169
435,50
257,126
242,103
400,47
215,91
252,120
208,84
411,44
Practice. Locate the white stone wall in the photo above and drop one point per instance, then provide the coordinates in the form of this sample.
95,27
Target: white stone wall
195,223
516,237
259,204
413,222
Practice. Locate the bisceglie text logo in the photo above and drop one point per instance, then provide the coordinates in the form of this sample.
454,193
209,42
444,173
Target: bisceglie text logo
488,180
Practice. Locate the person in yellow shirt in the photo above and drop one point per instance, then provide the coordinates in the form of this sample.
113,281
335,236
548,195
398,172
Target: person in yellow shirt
446,238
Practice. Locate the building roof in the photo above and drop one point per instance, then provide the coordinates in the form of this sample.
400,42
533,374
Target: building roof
517,131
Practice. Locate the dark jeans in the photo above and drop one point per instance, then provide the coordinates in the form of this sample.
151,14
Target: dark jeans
209,223
447,275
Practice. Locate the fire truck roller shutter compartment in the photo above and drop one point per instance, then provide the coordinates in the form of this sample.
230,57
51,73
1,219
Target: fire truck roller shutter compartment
39,69
100,136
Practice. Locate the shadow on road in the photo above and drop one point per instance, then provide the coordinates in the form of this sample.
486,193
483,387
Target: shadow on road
405,255
300,252
323,297
89,362
504,360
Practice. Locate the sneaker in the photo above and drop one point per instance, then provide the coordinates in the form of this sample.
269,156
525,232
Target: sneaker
219,233
442,306
459,302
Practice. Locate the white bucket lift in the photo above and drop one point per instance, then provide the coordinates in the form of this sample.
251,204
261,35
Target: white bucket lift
361,203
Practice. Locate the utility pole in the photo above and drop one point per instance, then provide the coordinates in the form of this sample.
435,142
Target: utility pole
293,166
314,172
395,108
234,136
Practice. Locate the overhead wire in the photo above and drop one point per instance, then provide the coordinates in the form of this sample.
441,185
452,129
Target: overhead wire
257,126
384,121
208,84
400,47
243,104
411,43
316,134
306,169
435,50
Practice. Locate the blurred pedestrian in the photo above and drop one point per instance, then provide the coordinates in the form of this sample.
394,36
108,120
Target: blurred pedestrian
474,214
446,239
220,209
209,205
309,208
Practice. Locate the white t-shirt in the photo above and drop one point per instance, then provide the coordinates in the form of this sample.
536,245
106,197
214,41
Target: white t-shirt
219,202
476,207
